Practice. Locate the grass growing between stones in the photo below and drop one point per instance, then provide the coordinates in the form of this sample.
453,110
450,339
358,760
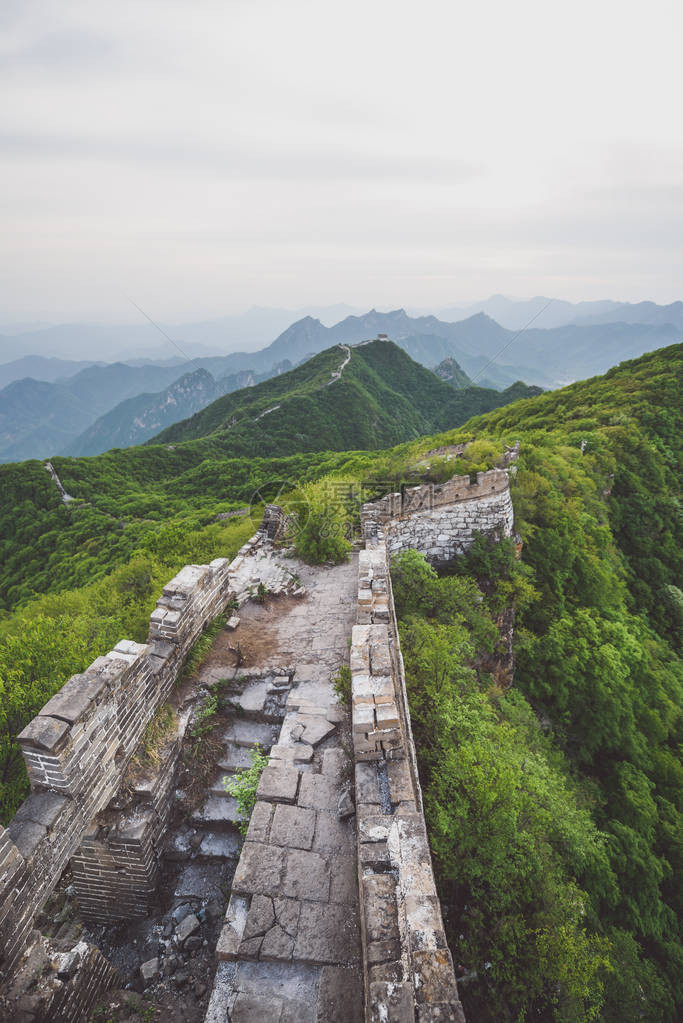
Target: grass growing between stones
341,684
244,784
201,648
157,734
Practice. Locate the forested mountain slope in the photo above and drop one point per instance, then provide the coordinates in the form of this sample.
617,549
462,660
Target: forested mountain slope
382,397
553,807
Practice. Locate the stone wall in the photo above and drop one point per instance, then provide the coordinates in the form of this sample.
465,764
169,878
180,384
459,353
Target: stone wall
115,871
408,971
440,520
57,983
79,746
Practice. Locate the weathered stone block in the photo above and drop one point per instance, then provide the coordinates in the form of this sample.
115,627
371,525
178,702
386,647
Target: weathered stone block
278,784
307,876
259,870
391,1002
293,826
44,733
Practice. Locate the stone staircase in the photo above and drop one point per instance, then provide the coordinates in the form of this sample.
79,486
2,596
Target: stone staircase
259,707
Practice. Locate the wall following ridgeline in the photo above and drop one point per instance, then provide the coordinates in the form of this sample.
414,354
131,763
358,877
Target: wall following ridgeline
440,520
408,970
407,966
77,750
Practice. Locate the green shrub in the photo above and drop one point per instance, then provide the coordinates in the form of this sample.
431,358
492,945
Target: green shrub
243,786
341,683
321,523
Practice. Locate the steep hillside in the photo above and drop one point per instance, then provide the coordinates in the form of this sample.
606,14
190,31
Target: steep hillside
450,371
381,397
40,419
553,807
136,420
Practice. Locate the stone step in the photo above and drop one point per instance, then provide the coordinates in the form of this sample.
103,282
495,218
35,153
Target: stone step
218,788
252,698
243,732
220,846
219,813
235,758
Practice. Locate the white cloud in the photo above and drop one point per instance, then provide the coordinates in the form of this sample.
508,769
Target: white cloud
211,155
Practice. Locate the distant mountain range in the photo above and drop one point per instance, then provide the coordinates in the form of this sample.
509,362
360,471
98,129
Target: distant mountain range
108,406
131,342
366,397
74,407
137,419
255,329
490,354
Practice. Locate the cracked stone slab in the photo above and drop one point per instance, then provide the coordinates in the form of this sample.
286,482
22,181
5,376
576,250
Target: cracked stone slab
316,729
333,835
344,880
260,918
259,822
296,984
233,928
278,784
340,995
328,933
259,870
293,826
319,791
307,876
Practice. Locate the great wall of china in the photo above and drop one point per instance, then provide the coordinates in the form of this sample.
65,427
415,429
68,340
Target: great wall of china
332,913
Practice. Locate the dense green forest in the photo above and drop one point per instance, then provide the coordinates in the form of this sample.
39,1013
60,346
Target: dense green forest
554,806
123,496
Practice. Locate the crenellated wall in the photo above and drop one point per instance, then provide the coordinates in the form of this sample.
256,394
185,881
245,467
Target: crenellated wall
440,520
408,971
77,750
407,965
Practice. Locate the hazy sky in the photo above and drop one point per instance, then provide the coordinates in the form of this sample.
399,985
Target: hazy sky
204,156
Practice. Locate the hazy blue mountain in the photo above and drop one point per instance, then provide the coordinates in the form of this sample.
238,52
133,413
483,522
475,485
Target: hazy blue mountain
137,419
515,313
489,354
40,368
242,332
640,312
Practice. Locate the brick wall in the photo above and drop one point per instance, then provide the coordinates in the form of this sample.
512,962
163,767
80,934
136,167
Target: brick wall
79,745
440,521
408,971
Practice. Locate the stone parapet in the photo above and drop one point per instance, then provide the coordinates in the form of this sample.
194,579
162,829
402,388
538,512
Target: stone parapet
78,747
440,520
407,966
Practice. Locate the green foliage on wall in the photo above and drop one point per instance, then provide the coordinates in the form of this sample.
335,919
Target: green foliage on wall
555,807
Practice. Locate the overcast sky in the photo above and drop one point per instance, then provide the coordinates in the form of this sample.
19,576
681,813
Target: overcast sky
205,156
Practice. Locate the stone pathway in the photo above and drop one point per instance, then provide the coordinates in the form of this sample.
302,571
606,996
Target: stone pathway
289,951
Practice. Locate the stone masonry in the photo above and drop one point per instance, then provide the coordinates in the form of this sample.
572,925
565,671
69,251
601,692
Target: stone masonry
407,966
79,745
440,520
334,915
290,946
